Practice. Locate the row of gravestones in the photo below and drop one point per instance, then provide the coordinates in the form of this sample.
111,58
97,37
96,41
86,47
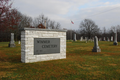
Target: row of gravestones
96,48
12,42
86,39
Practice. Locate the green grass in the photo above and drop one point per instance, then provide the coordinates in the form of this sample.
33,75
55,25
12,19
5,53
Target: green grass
81,63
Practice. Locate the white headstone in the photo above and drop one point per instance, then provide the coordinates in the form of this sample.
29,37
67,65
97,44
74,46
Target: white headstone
74,37
81,39
99,39
104,39
86,39
108,39
115,39
93,39
111,38
18,42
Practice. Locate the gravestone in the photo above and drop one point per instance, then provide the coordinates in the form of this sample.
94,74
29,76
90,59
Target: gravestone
104,39
74,37
99,39
12,42
96,47
81,39
42,44
108,39
85,38
93,39
111,38
115,39
18,42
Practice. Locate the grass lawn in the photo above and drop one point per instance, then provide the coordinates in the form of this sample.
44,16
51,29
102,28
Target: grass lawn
81,63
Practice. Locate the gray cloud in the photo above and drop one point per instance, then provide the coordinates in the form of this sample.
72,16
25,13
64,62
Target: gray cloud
63,11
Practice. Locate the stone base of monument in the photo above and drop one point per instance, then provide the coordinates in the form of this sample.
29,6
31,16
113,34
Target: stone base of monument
115,43
96,49
11,45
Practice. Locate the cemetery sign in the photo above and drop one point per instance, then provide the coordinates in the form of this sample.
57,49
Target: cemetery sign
46,45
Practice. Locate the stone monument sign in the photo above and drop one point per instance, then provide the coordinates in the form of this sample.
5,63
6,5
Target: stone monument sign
42,44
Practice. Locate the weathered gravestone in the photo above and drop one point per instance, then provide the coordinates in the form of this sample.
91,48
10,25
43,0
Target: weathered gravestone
93,39
111,38
18,42
42,44
99,39
104,39
96,47
86,39
108,39
12,42
74,37
115,39
81,39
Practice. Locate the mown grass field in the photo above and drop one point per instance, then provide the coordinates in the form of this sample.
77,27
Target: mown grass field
81,63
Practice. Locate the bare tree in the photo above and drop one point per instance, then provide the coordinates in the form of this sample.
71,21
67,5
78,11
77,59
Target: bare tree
26,21
88,28
52,24
58,25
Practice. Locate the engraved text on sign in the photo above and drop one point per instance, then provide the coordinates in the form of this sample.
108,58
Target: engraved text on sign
46,45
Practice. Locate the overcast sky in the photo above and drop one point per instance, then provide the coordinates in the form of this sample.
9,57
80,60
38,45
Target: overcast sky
105,13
